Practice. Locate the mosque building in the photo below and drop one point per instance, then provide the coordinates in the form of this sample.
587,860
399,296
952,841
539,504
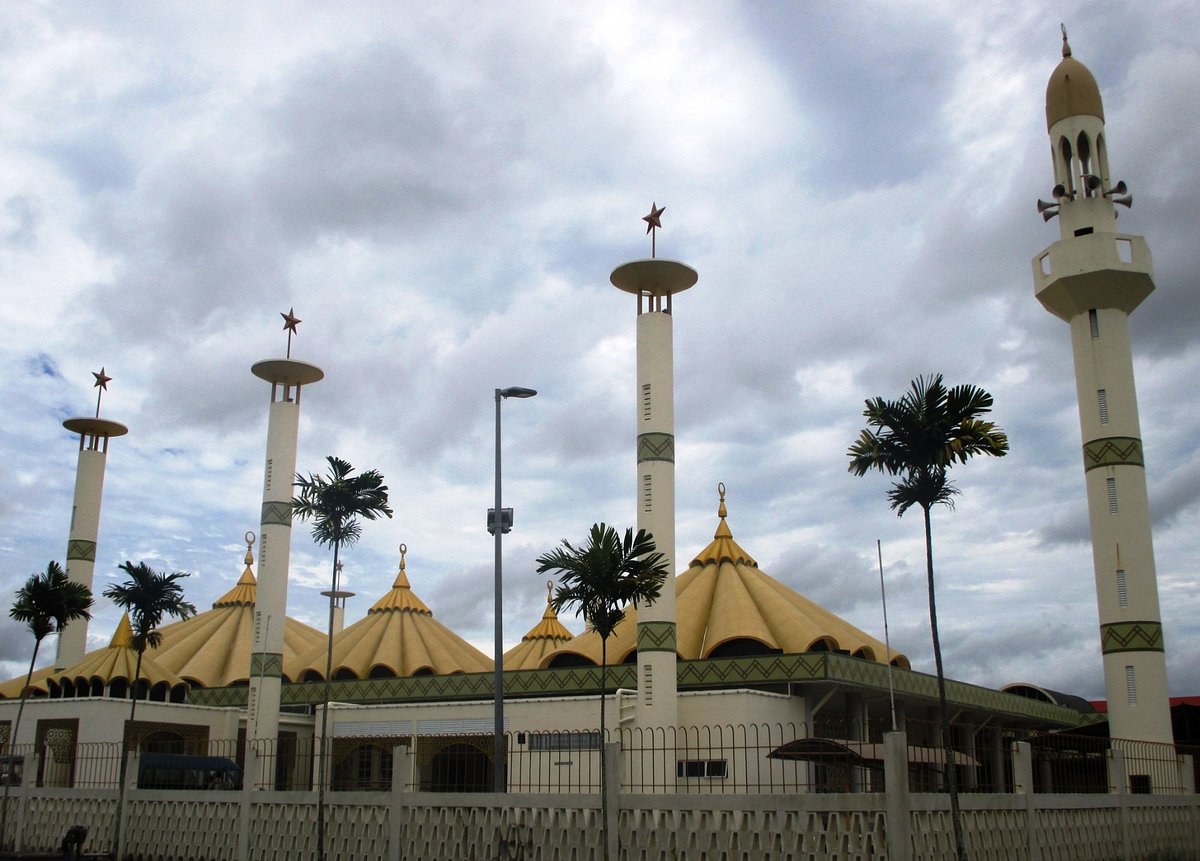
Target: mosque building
727,645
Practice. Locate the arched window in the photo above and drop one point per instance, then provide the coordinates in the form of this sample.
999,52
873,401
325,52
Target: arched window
1084,149
1064,150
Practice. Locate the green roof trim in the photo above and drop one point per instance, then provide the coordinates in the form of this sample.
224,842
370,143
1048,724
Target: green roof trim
825,667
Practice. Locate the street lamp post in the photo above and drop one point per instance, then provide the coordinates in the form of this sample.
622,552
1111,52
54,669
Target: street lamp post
500,521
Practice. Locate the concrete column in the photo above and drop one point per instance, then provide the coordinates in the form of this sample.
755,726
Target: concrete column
94,434
896,799
655,282
286,377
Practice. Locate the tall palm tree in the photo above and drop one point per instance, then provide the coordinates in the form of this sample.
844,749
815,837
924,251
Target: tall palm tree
46,604
600,579
148,596
919,437
335,502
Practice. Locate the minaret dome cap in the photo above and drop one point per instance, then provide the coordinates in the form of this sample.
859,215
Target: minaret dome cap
1072,90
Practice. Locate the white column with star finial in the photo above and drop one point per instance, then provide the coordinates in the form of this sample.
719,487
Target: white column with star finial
287,378
655,282
94,434
1093,278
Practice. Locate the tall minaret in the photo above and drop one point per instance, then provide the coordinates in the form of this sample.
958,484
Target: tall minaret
94,434
1093,278
654,282
287,377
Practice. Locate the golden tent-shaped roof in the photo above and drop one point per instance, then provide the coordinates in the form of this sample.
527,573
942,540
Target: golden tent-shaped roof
11,689
725,607
110,671
543,638
212,649
398,637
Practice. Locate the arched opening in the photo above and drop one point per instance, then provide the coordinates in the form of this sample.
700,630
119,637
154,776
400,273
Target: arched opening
865,653
460,767
379,671
1068,173
97,687
570,659
423,671
1083,148
823,644
119,689
344,674
742,647
367,766
311,676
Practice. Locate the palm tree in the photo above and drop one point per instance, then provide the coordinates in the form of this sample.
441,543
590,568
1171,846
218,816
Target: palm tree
919,437
148,596
46,603
600,579
335,503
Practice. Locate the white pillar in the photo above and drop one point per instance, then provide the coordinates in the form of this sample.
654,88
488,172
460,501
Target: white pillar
94,434
654,282
286,377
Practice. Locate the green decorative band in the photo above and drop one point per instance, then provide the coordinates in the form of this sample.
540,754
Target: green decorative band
775,671
84,551
1113,451
266,664
656,636
656,446
1131,637
277,514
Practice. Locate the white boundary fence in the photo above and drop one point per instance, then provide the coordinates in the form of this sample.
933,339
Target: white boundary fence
896,825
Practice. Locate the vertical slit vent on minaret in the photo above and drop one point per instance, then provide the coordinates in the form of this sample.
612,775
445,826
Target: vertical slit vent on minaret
1102,399
647,495
1094,323
269,462
647,685
1130,685
1122,591
1112,495
645,402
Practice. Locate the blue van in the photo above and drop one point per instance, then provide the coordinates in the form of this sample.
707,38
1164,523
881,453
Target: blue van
182,771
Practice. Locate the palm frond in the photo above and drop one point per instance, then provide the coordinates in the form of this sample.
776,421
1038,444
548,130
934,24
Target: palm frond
48,601
149,596
334,502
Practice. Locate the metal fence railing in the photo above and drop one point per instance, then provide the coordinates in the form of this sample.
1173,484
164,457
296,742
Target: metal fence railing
834,757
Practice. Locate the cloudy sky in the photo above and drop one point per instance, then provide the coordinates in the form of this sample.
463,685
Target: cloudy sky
441,191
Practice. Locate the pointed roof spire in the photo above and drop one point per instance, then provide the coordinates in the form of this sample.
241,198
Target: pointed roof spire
723,547
246,590
122,638
1066,49
401,598
543,638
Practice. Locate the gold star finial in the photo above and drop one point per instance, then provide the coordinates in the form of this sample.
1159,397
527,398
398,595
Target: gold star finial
290,322
102,381
654,222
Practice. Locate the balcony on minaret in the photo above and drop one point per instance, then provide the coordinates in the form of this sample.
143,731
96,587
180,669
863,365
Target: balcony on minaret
1093,270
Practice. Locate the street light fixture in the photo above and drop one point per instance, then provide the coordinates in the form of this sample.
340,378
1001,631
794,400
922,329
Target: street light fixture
500,521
